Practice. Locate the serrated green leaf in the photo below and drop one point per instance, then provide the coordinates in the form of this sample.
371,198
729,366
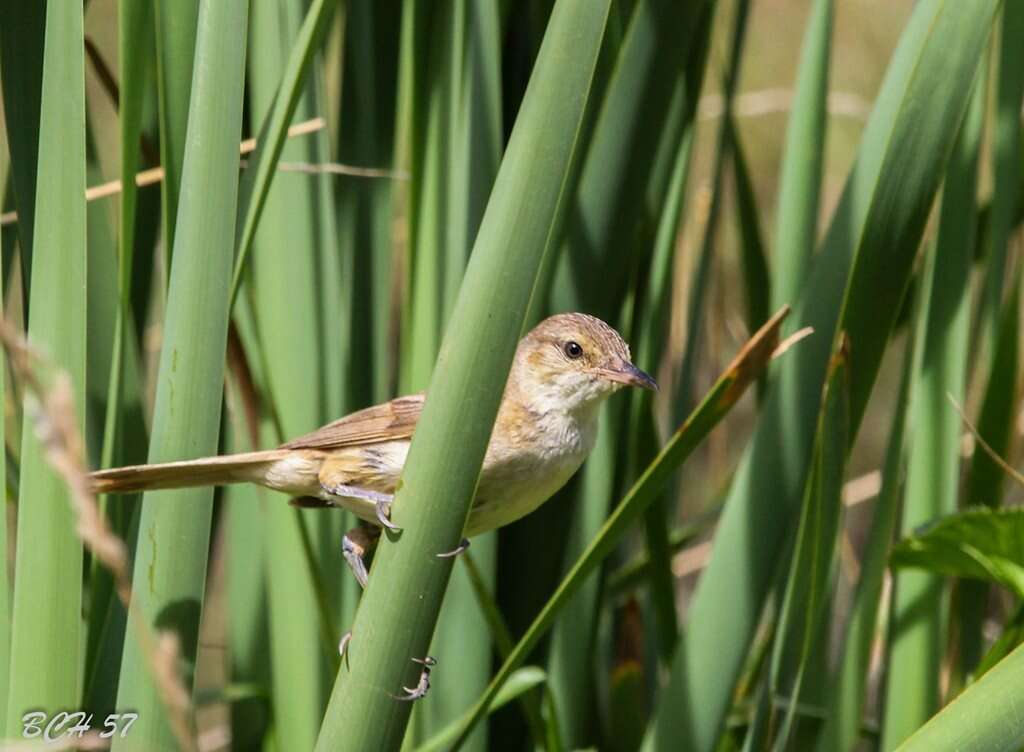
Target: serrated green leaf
982,544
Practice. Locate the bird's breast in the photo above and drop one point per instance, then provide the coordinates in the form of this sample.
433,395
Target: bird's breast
522,472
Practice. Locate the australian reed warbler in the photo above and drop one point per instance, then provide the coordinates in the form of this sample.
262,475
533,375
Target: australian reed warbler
563,369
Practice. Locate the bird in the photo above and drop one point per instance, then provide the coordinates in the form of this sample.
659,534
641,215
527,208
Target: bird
563,370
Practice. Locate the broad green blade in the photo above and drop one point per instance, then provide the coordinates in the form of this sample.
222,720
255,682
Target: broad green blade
919,606
800,174
984,718
522,218
746,367
46,627
170,560
856,284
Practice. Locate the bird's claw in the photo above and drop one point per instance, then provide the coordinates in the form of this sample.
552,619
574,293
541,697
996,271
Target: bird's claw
423,685
382,508
463,545
343,645
381,501
353,554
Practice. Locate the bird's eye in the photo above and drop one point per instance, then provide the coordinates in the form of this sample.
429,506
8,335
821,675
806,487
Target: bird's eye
573,351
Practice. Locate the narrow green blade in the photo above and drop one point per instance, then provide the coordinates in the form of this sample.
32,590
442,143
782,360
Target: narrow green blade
803,616
21,72
1006,164
366,137
800,175
175,49
847,698
284,259
262,164
5,585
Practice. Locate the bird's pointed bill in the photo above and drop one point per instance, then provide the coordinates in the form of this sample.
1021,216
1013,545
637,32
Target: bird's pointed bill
630,375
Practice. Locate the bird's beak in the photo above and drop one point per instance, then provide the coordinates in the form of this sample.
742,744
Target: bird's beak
630,375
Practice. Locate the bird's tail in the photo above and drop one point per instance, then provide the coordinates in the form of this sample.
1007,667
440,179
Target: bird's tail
209,471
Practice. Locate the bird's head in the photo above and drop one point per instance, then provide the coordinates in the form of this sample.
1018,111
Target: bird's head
572,362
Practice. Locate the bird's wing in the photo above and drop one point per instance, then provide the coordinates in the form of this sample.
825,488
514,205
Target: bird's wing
391,421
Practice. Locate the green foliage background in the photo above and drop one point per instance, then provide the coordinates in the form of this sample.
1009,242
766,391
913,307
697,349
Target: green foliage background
721,574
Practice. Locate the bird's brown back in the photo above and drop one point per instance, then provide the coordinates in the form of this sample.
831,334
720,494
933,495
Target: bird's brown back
391,421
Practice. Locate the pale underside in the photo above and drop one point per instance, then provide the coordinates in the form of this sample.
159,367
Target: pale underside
368,449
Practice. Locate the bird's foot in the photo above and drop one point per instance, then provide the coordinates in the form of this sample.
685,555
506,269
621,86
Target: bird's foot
343,645
463,545
381,501
355,545
423,685
383,510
